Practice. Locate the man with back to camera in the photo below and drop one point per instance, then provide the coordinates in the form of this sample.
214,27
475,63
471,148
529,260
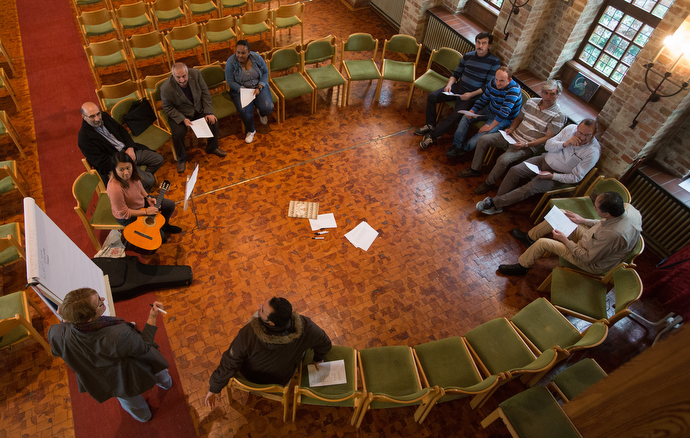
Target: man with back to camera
597,245
538,121
568,158
475,70
185,98
109,355
499,105
101,137
269,347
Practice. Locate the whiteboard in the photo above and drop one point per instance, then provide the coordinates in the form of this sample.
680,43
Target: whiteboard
54,264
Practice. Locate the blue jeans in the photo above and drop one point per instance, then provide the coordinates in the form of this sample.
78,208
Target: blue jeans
263,102
461,132
137,407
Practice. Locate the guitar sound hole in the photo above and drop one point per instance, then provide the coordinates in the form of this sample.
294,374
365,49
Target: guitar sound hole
150,221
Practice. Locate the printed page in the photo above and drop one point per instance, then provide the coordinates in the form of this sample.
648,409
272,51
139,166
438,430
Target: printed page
329,373
507,137
201,129
246,96
362,236
323,221
559,221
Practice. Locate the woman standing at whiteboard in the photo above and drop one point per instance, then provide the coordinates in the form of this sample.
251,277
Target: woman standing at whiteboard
129,200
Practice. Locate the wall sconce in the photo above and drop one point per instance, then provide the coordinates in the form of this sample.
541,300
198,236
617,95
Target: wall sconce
514,10
673,43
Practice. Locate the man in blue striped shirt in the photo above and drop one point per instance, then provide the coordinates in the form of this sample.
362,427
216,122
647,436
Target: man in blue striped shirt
498,106
475,70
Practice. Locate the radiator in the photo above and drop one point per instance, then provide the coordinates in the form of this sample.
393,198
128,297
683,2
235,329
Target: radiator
438,34
665,220
391,9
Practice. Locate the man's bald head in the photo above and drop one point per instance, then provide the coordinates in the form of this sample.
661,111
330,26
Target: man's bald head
92,114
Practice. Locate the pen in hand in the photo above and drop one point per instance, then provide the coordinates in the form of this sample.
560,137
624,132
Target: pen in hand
160,310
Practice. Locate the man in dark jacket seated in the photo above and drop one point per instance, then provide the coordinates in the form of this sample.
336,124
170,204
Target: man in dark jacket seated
269,347
100,137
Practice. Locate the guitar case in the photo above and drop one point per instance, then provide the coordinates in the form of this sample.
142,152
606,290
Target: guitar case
129,277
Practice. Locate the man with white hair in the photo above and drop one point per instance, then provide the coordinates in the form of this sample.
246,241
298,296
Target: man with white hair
538,121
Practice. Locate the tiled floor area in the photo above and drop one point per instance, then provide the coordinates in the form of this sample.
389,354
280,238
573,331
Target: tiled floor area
431,272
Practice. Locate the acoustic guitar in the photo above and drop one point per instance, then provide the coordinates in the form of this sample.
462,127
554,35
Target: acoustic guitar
145,232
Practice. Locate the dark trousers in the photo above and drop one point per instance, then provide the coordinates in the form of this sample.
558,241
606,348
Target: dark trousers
179,132
436,97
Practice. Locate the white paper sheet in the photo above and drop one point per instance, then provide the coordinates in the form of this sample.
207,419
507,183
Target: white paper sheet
329,373
685,185
507,137
362,236
201,129
246,96
448,93
468,114
532,167
559,221
323,221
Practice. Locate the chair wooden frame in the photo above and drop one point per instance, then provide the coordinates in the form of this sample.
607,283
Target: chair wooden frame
154,97
8,59
272,392
254,18
109,95
370,62
162,12
9,324
388,62
97,18
430,73
81,209
233,4
196,5
103,49
10,241
13,172
5,85
11,132
185,33
284,13
575,190
218,26
140,47
300,71
332,66
129,12
79,3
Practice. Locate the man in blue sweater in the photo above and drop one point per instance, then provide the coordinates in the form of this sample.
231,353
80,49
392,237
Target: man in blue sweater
475,70
498,106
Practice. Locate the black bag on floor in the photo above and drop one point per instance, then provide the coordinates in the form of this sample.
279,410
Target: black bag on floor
129,277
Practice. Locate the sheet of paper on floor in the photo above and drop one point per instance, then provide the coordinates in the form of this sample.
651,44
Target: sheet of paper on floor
362,236
323,221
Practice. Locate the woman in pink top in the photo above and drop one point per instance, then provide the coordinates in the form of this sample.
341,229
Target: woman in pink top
129,200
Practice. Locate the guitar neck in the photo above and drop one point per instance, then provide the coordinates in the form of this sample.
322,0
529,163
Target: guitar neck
159,199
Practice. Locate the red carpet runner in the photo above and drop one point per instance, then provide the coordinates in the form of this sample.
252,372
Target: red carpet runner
59,82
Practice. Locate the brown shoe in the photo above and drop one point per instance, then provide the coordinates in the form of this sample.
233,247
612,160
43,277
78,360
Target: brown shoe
483,188
181,166
469,172
219,152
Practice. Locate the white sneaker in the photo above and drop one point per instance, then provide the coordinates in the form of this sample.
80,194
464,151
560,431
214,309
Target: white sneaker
263,119
250,137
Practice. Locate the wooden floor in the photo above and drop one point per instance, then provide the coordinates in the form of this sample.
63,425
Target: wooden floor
430,273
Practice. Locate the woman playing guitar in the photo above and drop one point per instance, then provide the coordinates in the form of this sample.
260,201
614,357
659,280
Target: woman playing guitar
129,200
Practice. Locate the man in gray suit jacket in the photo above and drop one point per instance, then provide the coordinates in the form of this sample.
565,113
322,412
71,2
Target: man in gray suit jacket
110,356
185,97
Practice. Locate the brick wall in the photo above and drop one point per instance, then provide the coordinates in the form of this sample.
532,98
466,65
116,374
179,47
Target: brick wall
413,20
675,156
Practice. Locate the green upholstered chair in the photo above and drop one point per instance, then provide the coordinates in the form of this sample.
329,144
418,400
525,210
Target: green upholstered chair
214,76
228,5
359,69
280,393
629,260
390,380
106,54
499,350
11,178
218,31
5,85
448,365
97,23
576,378
584,205
327,75
146,46
15,320
544,327
85,187
431,80
562,190
153,138
134,16
534,413
255,23
345,394
169,11
185,38
289,85
201,8
6,129
585,297
155,100
78,4
258,2
399,71
109,95
11,249
287,17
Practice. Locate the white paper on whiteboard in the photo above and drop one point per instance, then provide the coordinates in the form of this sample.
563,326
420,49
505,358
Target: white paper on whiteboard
201,129
559,221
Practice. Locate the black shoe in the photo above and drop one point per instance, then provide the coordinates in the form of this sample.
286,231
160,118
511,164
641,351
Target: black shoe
172,229
483,188
424,130
219,152
181,166
465,173
516,269
455,153
521,237
428,141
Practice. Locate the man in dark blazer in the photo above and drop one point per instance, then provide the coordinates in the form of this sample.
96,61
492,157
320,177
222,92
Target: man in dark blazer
109,355
100,137
185,98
